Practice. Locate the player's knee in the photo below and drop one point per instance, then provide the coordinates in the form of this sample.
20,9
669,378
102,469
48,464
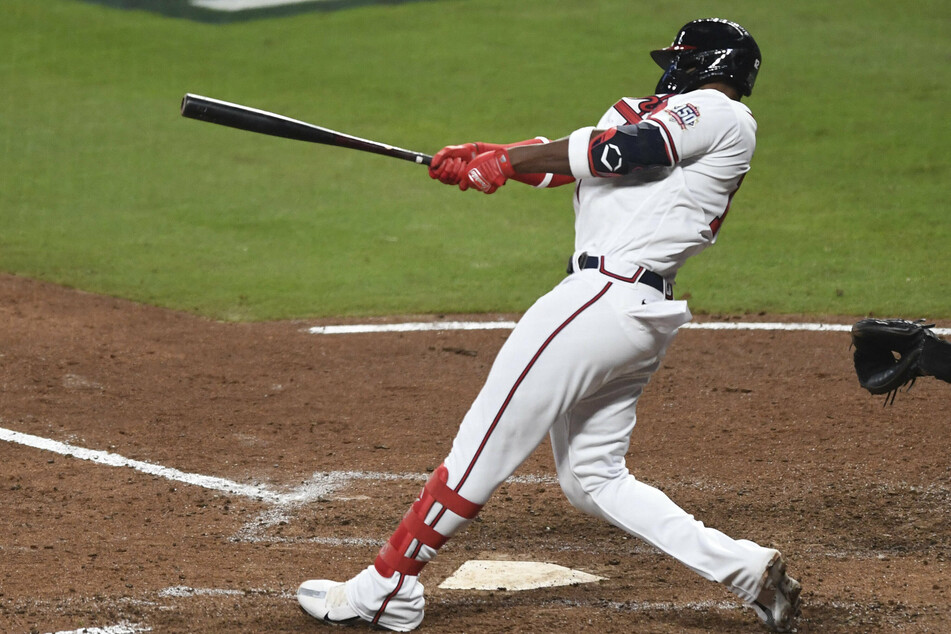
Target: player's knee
579,496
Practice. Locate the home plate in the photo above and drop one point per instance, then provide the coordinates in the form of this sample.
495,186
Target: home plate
513,575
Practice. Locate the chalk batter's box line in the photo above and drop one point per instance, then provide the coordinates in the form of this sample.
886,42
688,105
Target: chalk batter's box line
320,485
431,326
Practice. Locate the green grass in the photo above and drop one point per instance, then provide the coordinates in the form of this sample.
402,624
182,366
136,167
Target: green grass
106,188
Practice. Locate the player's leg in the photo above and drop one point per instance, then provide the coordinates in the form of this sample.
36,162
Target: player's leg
595,478
569,341
590,443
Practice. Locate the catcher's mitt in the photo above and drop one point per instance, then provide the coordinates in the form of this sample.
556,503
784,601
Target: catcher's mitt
920,353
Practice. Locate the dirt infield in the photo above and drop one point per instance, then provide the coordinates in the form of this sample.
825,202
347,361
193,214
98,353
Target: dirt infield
764,435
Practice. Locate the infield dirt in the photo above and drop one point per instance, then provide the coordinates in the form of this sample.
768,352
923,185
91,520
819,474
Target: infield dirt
764,435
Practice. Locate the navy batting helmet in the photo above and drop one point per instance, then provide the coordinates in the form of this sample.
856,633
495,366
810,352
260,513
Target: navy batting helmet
705,50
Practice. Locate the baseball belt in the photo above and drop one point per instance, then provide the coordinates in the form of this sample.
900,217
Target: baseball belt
643,276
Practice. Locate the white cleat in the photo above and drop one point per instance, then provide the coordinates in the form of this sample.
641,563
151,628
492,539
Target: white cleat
327,601
778,603
330,602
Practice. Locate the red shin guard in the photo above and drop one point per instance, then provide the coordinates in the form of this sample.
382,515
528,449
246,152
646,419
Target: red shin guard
413,527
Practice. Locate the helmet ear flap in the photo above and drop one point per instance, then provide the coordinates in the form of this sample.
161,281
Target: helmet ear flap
668,82
752,67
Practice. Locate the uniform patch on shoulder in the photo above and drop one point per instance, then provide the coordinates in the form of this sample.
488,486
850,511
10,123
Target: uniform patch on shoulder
685,116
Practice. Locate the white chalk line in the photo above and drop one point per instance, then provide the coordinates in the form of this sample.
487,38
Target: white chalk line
244,5
173,593
427,326
119,628
115,460
419,326
184,592
323,485
320,485
654,606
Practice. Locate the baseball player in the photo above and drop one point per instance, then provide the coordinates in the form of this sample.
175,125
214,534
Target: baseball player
653,185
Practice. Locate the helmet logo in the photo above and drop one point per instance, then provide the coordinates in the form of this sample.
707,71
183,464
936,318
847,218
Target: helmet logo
610,150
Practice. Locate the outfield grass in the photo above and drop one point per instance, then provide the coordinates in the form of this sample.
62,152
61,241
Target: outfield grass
107,188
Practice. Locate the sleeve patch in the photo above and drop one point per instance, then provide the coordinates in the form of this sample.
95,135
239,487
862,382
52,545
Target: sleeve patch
686,116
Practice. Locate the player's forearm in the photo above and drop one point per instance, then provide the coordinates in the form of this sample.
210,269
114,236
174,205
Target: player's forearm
546,158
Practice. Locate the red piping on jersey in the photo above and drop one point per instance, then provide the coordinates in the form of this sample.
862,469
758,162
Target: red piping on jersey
672,154
495,422
386,601
625,110
518,382
633,117
511,393
645,107
718,221
633,278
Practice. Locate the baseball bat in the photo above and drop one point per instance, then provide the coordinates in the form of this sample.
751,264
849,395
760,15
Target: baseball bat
254,120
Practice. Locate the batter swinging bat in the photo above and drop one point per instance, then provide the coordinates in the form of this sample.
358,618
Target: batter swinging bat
254,120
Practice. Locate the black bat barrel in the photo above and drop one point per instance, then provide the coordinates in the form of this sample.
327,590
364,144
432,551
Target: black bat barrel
263,122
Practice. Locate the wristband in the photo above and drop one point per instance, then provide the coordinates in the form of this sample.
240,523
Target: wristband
540,181
578,143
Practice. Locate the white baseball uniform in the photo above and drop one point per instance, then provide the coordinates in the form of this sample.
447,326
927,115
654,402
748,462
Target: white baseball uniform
580,357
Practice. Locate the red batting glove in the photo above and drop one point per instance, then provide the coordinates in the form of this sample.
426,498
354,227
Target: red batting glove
489,171
451,171
449,164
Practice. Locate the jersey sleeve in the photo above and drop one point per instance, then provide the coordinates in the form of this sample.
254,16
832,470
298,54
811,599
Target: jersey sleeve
697,123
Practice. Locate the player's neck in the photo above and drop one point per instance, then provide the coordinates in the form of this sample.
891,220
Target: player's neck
723,87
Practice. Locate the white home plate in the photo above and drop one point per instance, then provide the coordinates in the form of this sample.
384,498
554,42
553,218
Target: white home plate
513,575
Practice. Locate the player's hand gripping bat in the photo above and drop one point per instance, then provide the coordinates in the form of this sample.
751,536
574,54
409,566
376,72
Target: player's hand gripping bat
254,120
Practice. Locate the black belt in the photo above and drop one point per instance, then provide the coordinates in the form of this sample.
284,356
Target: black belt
586,261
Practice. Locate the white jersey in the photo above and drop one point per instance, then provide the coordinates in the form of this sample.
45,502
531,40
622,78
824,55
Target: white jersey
657,218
